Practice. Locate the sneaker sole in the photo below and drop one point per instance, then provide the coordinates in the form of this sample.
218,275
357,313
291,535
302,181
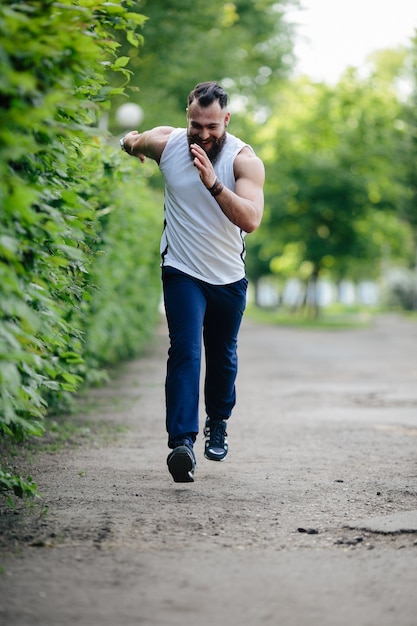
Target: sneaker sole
181,465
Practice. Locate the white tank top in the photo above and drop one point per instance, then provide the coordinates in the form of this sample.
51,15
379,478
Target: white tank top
198,238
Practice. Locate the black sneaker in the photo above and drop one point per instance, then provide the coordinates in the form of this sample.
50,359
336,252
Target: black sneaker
181,463
216,446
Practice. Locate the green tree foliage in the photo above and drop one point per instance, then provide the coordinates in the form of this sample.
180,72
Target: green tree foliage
330,153
408,207
60,212
245,43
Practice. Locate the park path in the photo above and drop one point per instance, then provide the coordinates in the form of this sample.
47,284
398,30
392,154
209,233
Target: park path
312,519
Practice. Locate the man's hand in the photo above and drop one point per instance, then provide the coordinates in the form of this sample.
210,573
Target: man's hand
130,140
244,205
204,165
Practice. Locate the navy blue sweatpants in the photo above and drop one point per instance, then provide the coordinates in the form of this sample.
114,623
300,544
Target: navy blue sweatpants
200,314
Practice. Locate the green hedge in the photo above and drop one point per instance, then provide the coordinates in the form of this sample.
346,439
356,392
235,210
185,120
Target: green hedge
78,227
124,279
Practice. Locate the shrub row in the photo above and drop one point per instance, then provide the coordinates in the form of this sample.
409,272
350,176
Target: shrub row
79,282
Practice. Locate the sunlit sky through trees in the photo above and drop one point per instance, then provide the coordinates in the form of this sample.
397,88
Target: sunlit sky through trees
334,34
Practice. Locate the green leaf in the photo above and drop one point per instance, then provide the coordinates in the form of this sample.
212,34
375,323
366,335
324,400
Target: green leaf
121,62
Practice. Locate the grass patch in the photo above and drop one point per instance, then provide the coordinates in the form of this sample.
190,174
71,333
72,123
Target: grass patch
331,318
70,432
62,433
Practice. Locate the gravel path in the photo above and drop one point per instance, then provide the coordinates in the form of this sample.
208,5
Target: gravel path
312,518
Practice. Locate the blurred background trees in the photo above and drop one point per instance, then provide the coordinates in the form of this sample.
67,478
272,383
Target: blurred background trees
245,44
340,159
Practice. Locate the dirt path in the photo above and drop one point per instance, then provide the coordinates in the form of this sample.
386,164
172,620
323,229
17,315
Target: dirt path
312,519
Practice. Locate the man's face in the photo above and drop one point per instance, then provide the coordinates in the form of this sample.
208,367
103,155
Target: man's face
206,126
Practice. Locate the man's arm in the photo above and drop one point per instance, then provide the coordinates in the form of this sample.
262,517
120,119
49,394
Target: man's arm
244,206
150,143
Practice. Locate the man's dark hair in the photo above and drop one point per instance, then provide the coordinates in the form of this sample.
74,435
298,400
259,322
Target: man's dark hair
207,93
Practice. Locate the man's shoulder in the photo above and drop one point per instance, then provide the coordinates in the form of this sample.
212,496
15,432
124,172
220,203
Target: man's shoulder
248,162
237,145
175,143
156,140
175,131
240,148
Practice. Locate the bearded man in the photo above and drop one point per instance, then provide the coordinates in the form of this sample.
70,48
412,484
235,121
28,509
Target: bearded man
213,198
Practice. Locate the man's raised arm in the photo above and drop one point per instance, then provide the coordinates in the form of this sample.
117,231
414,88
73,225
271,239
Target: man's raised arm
150,143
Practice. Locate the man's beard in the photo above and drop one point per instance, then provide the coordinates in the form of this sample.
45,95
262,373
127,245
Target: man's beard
214,151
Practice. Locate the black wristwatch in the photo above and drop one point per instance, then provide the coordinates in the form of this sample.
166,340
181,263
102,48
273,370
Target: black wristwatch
123,147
